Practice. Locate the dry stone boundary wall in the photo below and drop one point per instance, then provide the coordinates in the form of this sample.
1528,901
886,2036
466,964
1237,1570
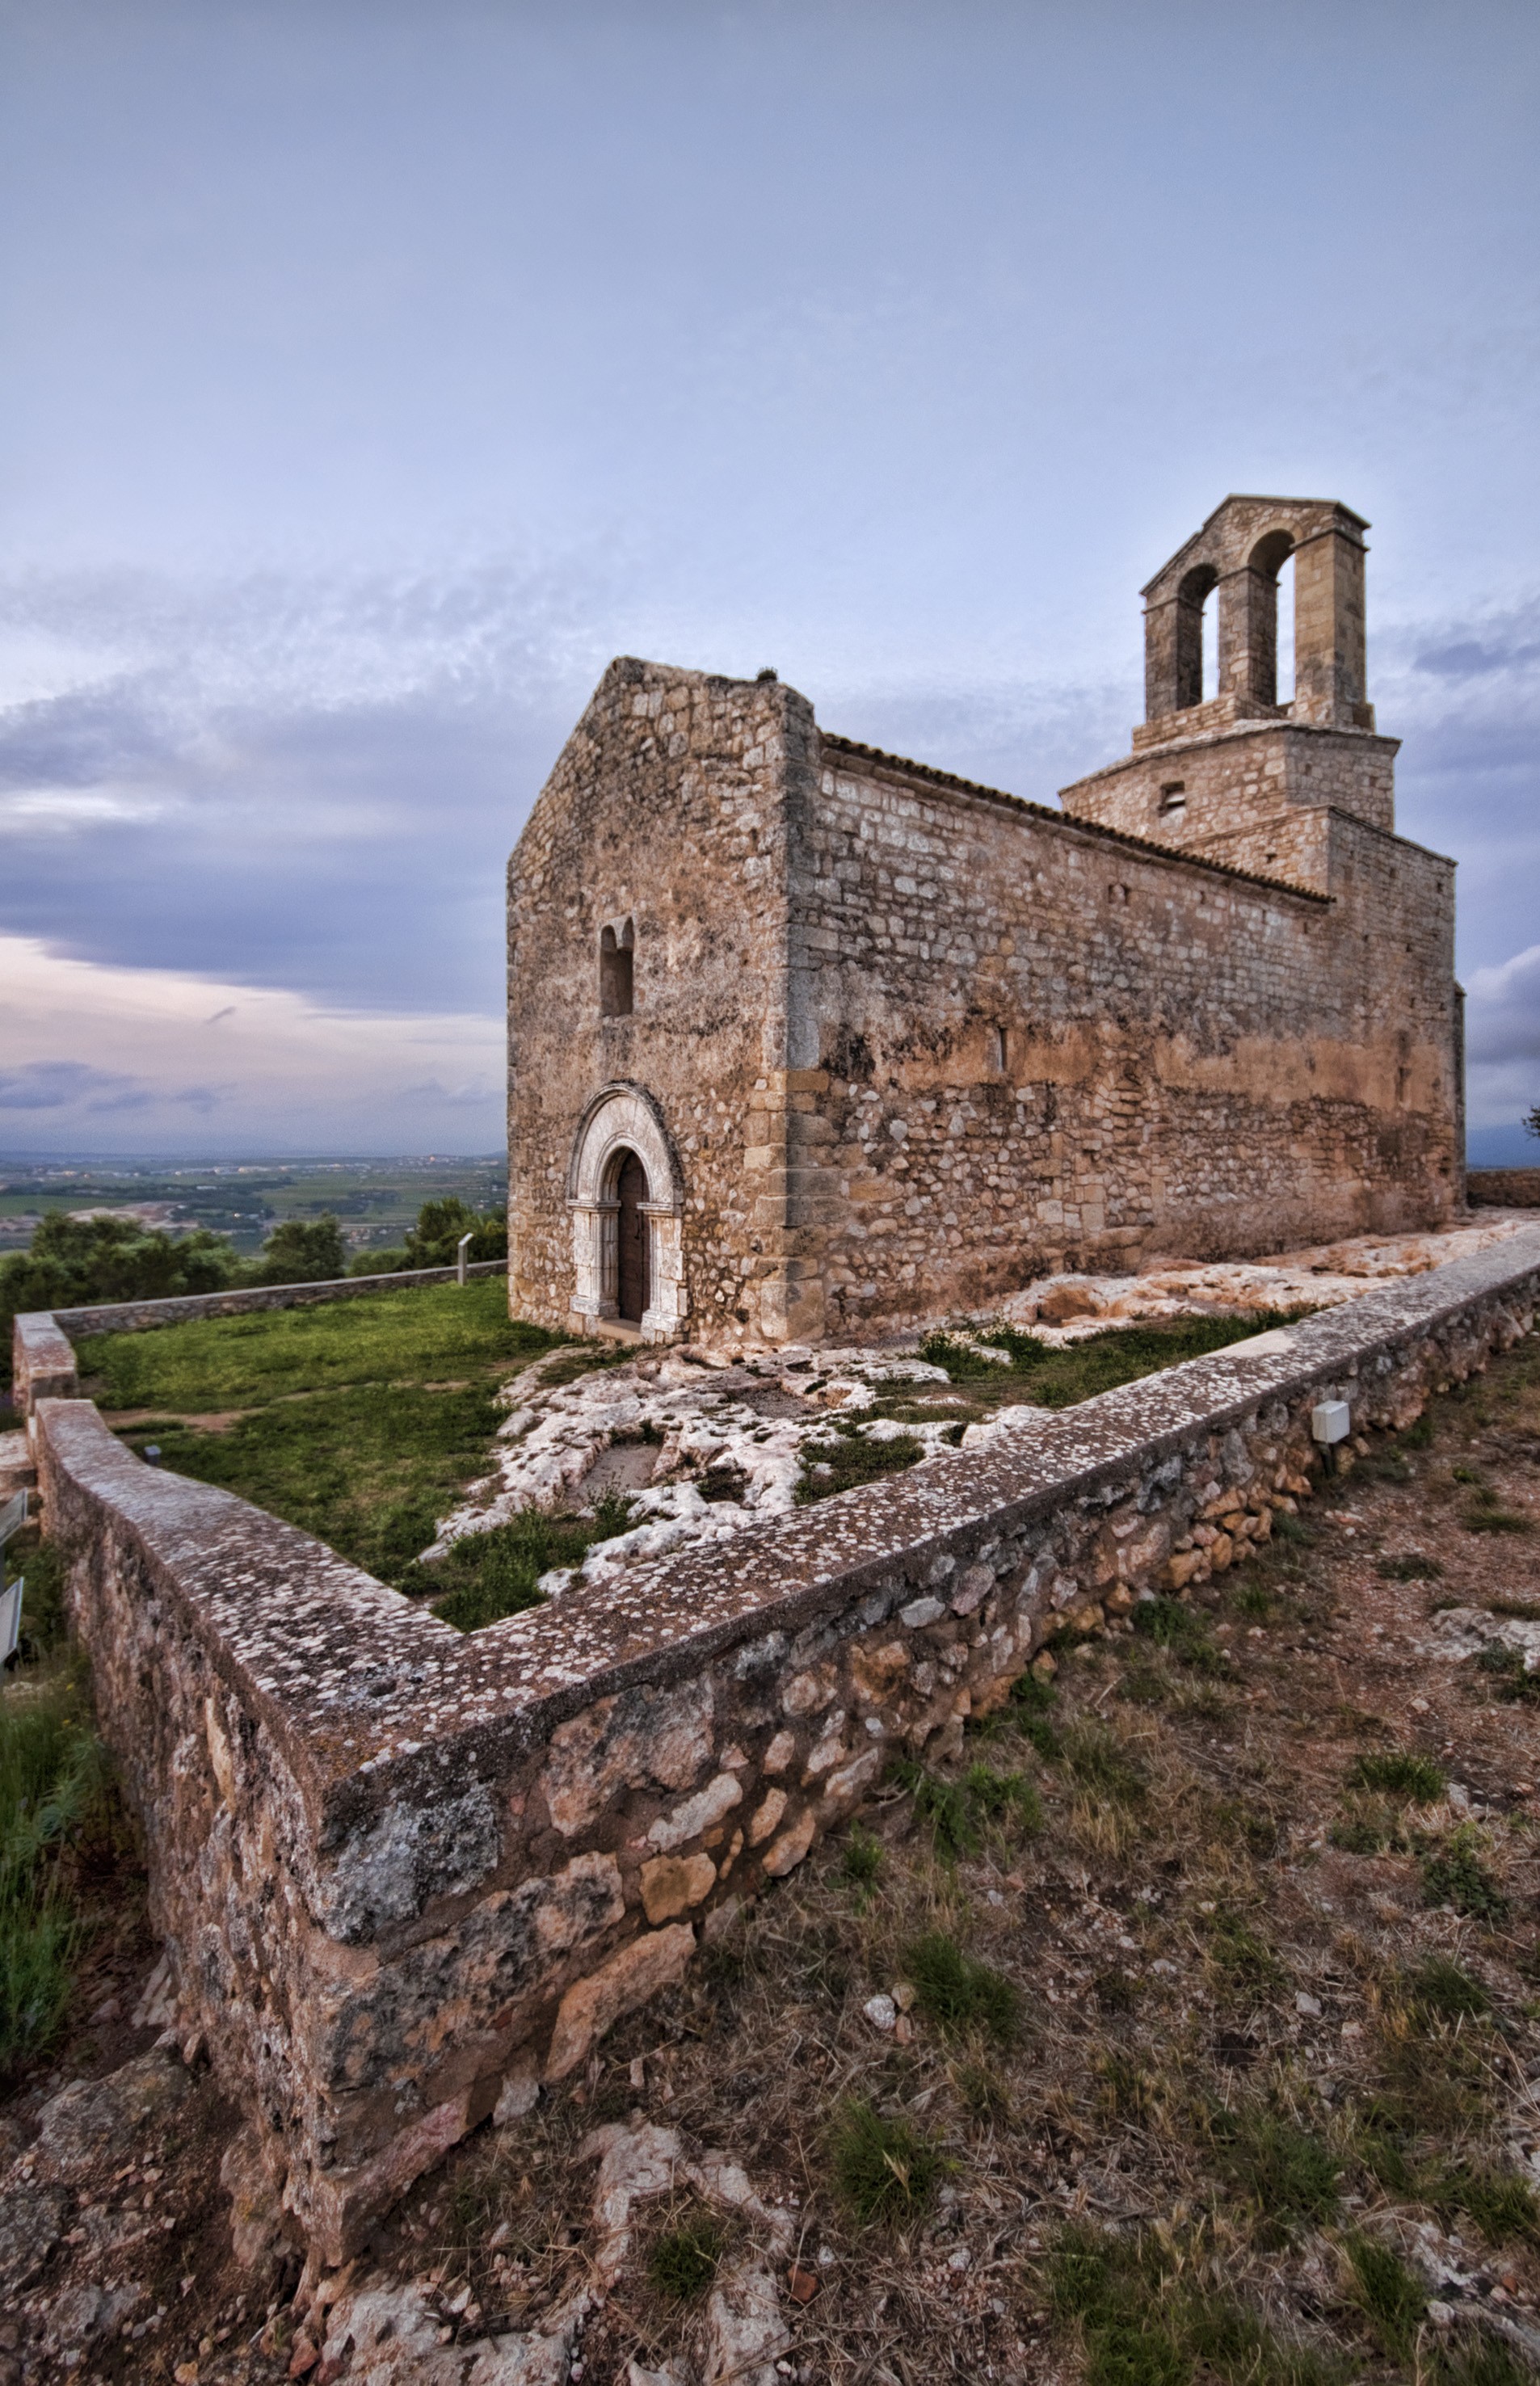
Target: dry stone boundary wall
406,1876
1503,1188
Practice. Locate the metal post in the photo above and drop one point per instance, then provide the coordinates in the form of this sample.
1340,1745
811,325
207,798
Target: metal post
462,1254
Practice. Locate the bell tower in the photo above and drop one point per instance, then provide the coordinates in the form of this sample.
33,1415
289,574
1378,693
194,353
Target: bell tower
1233,777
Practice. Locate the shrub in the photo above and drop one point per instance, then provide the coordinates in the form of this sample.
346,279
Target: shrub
957,1992
885,2170
1412,1567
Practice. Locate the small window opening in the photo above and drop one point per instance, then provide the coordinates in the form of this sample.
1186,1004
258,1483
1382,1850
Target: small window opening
998,1048
1174,798
616,990
1117,894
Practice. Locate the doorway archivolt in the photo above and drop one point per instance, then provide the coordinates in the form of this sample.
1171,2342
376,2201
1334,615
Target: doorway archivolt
626,1201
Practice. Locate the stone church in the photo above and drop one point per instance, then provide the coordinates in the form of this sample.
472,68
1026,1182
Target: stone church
810,1041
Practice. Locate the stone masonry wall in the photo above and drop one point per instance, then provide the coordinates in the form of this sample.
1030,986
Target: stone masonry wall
406,1876
672,806
1192,1062
1238,775
1504,1188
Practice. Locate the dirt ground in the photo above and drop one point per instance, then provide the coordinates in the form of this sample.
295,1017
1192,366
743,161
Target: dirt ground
1189,2030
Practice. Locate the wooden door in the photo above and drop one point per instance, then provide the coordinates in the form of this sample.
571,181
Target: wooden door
633,1290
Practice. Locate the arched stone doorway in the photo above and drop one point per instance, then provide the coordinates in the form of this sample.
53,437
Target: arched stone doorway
629,1192
627,1201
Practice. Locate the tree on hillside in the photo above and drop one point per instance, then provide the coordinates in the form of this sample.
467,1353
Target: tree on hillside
433,1242
301,1251
1532,1122
74,1261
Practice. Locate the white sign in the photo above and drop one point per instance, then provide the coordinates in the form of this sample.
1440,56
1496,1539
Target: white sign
13,1515
10,1616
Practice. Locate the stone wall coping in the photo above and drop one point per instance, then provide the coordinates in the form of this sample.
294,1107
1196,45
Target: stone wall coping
944,783
367,1691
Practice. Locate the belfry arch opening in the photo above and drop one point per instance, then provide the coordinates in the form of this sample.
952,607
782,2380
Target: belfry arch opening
1271,567
1193,609
628,1268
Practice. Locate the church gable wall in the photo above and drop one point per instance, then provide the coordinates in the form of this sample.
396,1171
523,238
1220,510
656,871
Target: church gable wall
665,821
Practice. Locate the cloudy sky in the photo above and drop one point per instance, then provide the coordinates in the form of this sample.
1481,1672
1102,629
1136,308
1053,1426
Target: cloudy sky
377,368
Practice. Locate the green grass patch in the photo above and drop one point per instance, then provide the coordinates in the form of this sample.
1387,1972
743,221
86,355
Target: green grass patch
51,1776
369,1471
1285,2173
1185,1631
1390,2297
488,1576
684,2261
1241,1956
436,1334
1456,1876
852,1458
361,1422
1436,1990
951,1988
1370,1826
1399,1773
886,2170
1508,1677
1412,1567
1100,1766
1146,2316
957,1813
1044,1377
1502,2205
1032,1703
862,1861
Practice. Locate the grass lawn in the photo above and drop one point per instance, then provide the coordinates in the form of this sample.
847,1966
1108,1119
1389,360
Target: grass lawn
360,1421
1038,1376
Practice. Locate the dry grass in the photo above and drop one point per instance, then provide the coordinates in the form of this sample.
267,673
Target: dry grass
1223,1983
1189,2055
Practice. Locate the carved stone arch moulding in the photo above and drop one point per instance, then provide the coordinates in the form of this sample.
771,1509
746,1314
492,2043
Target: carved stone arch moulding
624,1118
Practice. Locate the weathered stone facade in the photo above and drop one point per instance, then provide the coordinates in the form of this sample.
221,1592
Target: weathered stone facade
406,1876
895,1043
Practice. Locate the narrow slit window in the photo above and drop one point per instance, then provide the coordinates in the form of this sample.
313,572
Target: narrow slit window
616,953
998,1048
